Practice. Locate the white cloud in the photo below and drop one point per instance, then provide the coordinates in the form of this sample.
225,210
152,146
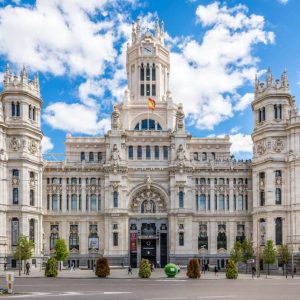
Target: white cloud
206,75
75,118
46,144
284,2
244,101
235,129
58,36
241,143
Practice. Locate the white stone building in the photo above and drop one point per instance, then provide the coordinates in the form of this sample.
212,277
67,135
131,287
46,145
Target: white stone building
147,188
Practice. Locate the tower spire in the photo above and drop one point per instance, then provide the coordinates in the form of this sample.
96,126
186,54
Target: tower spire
7,76
284,79
269,78
157,29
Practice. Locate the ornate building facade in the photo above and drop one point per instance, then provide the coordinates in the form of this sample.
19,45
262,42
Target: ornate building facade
147,188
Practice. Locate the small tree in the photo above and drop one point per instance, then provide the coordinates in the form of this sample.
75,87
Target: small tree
231,270
283,257
193,268
145,269
236,252
51,268
247,252
61,252
23,250
102,267
269,254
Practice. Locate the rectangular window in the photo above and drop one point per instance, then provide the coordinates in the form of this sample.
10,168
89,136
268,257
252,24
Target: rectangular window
130,152
148,152
91,156
15,196
240,202
93,202
142,77
181,238
31,196
262,198
54,202
82,156
15,173
153,73
148,73
142,90
278,196
203,202
115,239
166,154
147,89
221,202
139,152
278,173
156,152
208,202
99,156
73,202
153,90
116,199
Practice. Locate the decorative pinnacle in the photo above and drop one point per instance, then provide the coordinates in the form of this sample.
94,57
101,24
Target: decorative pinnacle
269,78
157,29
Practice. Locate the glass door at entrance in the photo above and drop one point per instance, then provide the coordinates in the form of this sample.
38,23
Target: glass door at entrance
148,250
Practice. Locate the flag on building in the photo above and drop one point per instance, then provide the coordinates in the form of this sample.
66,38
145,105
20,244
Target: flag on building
151,104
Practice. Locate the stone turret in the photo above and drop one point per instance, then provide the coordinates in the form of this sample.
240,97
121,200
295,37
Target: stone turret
22,83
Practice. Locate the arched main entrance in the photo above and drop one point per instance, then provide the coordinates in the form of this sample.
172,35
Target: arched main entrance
148,226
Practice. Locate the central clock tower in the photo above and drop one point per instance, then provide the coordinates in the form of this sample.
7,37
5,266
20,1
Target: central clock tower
148,64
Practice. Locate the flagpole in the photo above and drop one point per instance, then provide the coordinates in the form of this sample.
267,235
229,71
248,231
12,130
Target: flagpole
148,117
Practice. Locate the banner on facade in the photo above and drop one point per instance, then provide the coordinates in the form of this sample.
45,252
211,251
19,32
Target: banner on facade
133,246
93,243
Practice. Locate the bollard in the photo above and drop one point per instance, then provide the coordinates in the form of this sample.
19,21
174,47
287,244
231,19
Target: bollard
10,278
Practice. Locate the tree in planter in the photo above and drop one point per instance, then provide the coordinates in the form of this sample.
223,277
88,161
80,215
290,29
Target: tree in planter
283,257
247,252
23,250
193,268
236,252
61,252
51,268
231,270
145,269
269,254
102,267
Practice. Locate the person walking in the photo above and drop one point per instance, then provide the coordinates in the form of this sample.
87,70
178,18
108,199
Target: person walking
216,271
129,270
27,268
5,266
253,271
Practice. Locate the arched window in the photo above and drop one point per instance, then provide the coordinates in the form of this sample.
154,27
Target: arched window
29,112
139,152
53,236
148,72
221,239
278,231
18,109
14,231
180,199
263,114
147,124
74,237
73,202
34,113
13,109
166,154
142,75
153,72
31,230
116,199
93,202
278,196
156,152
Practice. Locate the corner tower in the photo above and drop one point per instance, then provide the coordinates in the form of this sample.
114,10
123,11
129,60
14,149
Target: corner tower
22,176
275,163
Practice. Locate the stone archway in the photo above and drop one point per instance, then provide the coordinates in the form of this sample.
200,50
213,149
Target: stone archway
148,200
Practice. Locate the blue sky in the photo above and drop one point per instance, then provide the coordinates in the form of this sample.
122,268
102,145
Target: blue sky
78,48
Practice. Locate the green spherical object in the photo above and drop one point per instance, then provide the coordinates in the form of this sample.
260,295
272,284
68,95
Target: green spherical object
171,270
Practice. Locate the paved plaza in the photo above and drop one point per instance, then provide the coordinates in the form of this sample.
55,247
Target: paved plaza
82,284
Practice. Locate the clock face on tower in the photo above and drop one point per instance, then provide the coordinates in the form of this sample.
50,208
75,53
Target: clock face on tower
148,50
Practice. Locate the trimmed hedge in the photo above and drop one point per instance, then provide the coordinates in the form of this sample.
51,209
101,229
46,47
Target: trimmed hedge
145,269
102,267
51,268
231,270
193,269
